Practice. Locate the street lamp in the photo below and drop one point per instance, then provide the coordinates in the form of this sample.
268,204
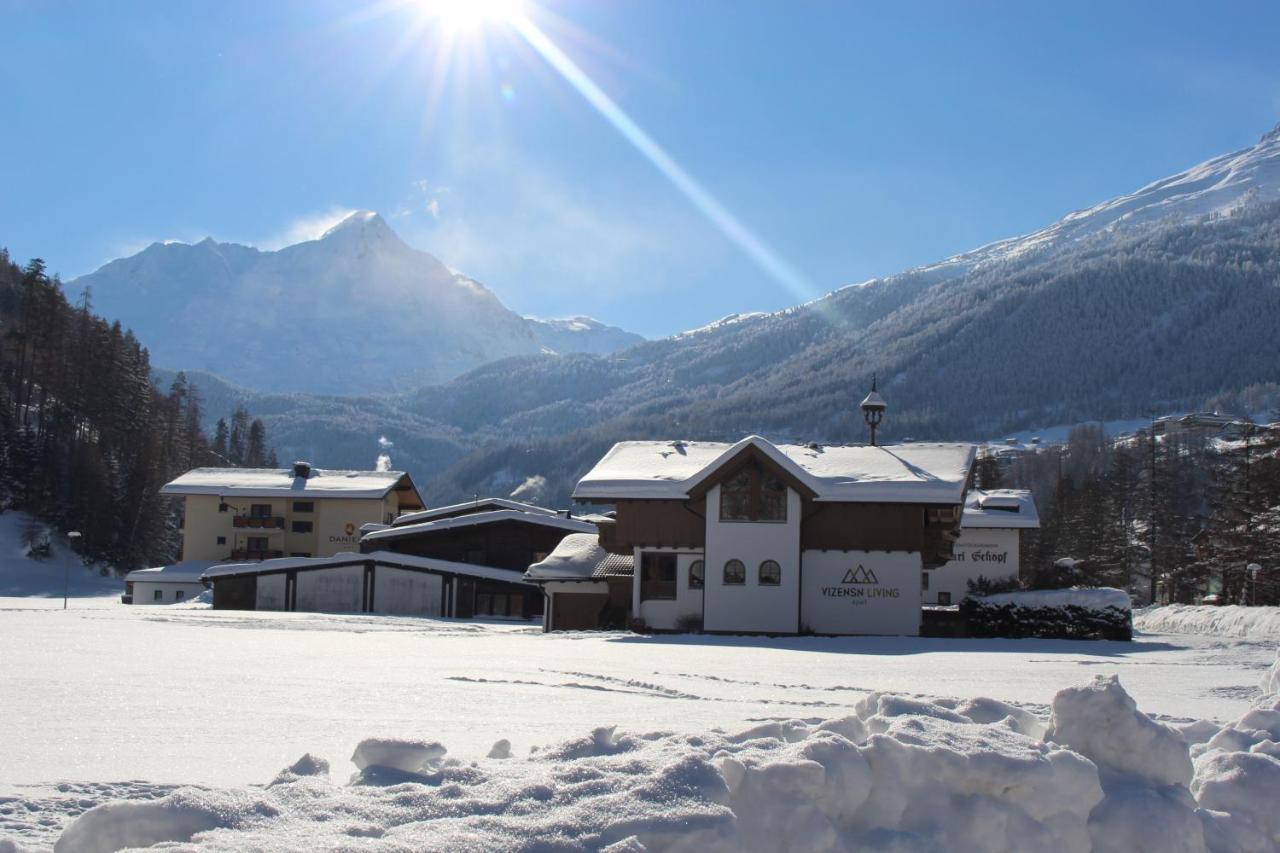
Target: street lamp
873,407
1253,569
73,536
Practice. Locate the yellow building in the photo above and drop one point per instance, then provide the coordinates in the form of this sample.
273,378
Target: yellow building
261,513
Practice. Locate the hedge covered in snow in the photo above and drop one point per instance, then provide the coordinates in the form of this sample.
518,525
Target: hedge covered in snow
900,774
1071,614
1229,621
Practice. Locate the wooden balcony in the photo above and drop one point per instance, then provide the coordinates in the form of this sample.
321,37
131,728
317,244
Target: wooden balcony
271,522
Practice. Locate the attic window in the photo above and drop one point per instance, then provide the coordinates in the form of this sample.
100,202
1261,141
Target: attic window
753,495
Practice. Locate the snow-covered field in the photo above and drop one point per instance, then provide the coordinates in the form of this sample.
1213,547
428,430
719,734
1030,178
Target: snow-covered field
183,695
177,720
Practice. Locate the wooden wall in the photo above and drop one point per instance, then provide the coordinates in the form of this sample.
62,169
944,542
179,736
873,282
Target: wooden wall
658,523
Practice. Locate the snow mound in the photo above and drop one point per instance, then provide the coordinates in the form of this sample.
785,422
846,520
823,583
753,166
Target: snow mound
176,817
1229,621
901,774
1102,722
406,756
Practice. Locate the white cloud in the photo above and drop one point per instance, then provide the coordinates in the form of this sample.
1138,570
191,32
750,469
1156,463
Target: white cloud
306,227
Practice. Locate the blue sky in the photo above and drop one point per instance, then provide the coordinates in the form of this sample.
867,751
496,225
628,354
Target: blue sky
853,139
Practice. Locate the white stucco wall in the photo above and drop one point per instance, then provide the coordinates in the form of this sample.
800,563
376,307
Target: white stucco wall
271,589
862,592
986,552
751,607
665,615
145,593
337,590
405,593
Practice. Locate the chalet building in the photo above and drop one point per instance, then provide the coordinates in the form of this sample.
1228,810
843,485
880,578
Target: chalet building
993,527
755,537
460,561
164,584
263,513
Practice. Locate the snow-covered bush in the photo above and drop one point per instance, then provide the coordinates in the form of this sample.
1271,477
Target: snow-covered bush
1076,614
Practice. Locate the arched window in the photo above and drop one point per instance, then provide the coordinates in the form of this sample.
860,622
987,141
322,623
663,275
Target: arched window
695,574
753,494
770,573
735,573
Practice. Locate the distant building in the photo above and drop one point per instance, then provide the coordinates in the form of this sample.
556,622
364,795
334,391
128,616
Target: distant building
755,537
165,584
990,544
263,513
460,561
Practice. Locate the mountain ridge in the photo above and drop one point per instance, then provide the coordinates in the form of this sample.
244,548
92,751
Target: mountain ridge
356,310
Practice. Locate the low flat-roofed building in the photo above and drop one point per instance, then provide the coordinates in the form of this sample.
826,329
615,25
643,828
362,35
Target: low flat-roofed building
992,529
165,584
754,537
263,513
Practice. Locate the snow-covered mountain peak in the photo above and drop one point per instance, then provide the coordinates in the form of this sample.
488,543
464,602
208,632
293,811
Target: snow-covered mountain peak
1272,135
361,223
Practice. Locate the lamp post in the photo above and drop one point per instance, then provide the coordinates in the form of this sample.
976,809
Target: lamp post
873,407
1253,569
73,536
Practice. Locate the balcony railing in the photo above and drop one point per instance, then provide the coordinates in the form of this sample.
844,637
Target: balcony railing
270,522
255,554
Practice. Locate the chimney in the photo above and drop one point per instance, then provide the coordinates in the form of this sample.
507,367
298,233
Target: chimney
302,469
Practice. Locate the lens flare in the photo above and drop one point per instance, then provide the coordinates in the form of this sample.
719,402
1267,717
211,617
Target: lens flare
457,15
701,198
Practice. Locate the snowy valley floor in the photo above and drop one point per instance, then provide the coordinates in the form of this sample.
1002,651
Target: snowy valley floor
103,693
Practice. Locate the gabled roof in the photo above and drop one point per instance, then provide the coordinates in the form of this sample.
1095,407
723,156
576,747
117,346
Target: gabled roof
390,559
470,507
281,482
1008,508
907,473
572,525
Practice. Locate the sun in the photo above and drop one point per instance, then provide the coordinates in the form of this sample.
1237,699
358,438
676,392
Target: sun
459,15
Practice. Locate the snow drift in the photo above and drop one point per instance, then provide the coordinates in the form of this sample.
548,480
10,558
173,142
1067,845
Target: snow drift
901,774
1229,621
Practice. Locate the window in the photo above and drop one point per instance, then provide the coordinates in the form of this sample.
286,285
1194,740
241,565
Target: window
300,554
259,510
753,495
222,540
944,598
770,573
158,595
475,557
304,506
696,575
657,577
924,580
179,595
301,527
223,507
257,543
735,573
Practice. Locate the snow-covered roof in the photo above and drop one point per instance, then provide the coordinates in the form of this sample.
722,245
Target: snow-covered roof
907,473
379,558
1000,508
474,507
575,558
188,572
572,525
281,482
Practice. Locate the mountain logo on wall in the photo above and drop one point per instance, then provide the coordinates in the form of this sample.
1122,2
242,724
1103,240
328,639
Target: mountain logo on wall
860,575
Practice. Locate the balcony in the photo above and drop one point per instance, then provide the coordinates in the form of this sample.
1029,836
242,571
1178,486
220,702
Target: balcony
253,554
269,522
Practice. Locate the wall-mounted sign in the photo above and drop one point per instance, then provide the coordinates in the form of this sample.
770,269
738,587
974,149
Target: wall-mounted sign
856,592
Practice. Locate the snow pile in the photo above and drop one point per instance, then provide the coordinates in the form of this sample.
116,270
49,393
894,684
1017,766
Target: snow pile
1063,613
575,558
48,577
900,774
1229,621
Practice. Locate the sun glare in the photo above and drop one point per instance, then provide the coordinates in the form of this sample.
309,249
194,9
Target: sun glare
458,15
